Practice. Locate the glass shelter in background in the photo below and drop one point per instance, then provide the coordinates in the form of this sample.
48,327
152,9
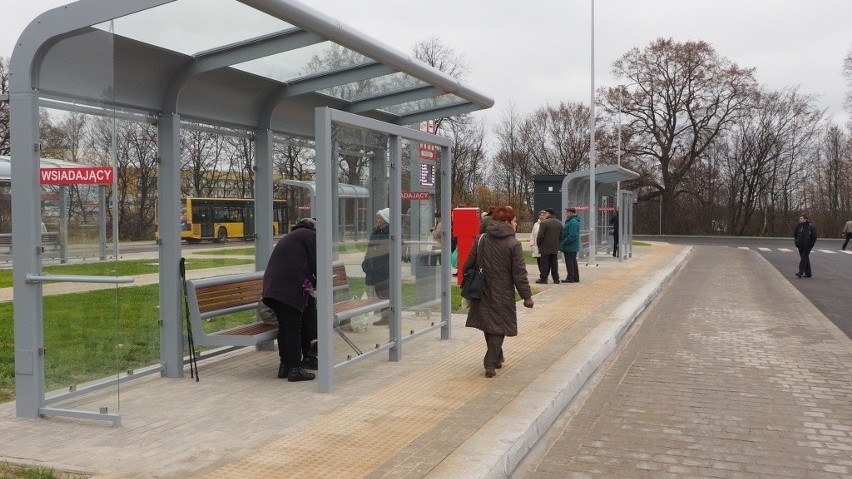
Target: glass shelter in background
256,70
575,193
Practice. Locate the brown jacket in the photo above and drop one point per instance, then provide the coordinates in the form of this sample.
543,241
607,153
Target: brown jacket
501,258
549,236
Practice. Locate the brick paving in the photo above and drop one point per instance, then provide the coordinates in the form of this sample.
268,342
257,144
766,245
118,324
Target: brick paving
732,374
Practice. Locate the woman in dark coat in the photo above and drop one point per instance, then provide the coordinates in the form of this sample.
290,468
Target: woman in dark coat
289,280
501,258
376,264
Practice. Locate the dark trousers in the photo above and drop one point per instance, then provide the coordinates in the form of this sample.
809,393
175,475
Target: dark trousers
848,237
571,265
291,343
383,291
494,353
548,264
615,245
805,260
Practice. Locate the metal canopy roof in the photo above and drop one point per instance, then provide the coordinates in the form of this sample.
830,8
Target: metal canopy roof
603,174
236,63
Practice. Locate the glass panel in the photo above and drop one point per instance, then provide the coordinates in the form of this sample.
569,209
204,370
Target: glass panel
193,26
85,343
382,85
425,104
315,59
421,295
361,239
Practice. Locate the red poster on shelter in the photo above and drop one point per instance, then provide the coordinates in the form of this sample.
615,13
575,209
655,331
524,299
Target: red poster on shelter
90,175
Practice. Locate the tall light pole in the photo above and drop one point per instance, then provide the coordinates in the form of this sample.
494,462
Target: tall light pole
593,210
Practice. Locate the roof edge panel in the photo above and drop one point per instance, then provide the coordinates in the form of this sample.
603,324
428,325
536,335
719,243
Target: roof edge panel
304,16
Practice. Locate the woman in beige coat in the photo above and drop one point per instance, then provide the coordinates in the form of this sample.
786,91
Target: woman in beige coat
501,258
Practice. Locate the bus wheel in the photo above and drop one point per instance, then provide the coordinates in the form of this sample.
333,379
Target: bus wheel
222,236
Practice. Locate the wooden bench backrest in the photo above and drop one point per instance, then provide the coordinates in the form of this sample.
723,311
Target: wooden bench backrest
223,296
339,282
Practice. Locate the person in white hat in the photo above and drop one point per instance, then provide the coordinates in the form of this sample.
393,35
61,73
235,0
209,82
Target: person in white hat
376,264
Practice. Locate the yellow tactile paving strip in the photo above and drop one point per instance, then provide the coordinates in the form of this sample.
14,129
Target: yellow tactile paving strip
354,440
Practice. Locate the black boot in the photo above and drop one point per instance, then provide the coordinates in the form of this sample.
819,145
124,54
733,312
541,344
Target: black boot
283,371
299,374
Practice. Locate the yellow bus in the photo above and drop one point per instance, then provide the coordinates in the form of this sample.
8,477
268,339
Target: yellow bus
218,219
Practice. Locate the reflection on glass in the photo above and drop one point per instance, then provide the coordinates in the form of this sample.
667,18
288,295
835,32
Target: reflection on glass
360,90
311,60
425,104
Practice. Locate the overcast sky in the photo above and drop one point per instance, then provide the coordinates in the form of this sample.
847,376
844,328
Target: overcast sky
534,52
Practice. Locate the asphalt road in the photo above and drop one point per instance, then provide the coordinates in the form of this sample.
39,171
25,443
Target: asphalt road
830,288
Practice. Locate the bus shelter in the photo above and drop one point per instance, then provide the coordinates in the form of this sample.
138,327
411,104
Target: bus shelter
256,69
352,211
595,228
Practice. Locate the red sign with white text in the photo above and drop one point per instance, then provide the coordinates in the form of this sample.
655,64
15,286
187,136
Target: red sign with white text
415,195
90,175
428,151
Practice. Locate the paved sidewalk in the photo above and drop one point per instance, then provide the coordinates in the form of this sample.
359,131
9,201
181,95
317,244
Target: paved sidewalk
732,374
434,414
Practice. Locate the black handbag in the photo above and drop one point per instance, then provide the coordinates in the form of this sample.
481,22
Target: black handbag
474,279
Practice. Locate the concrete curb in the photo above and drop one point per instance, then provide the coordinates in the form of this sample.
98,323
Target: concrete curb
502,443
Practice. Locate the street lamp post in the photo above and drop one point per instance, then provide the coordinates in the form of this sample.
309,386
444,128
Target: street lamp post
661,215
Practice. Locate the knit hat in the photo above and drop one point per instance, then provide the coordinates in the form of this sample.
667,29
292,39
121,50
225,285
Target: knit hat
384,214
309,223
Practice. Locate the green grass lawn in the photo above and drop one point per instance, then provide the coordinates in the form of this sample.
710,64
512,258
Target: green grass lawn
123,268
10,471
96,334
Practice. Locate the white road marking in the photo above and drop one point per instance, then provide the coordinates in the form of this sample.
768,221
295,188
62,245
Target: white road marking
744,247
786,250
826,251
764,249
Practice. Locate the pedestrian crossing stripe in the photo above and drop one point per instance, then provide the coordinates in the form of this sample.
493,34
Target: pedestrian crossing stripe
788,250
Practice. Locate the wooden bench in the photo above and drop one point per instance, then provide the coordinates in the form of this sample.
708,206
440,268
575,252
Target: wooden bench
345,307
222,295
47,239
219,296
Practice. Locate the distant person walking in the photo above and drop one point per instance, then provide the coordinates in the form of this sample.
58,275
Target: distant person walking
501,258
571,244
548,239
847,230
542,215
805,237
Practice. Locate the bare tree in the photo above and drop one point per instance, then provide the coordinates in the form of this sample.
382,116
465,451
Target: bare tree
847,73
469,158
558,138
830,177
201,155
759,148
5,130
241,166
679,97
512,169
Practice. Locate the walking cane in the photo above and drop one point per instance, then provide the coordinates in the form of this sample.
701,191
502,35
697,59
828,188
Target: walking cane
193,356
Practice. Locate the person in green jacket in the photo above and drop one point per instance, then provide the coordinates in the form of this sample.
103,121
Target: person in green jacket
571,244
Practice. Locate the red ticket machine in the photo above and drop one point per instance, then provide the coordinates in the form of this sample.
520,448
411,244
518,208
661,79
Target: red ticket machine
465,229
